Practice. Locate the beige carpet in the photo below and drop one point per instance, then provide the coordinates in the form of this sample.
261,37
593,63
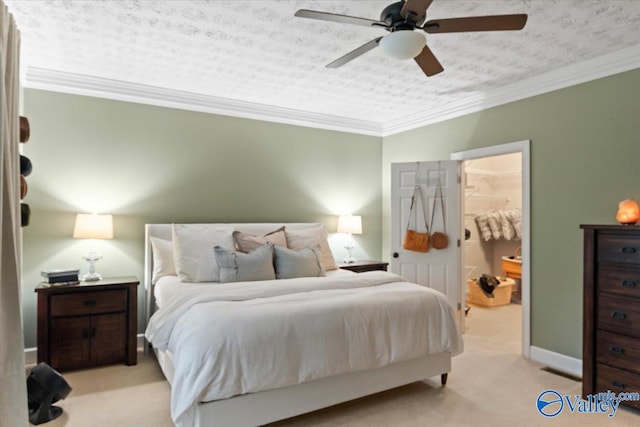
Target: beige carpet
490,385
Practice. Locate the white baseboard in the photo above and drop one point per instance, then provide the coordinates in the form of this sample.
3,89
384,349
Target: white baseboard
31,354
557,361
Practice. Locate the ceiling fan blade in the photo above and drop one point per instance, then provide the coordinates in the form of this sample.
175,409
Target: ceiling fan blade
344,19
428,62
355,53
476,23
417,7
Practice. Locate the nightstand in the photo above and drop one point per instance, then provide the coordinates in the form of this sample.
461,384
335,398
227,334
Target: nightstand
89,324
364,265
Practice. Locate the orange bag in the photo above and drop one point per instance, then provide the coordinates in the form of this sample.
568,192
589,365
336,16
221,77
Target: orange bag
415,240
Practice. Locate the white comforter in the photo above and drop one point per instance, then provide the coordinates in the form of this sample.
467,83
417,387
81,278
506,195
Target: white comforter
246,337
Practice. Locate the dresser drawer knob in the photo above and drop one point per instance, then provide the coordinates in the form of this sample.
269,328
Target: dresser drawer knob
629,283
621,315
618,384
628,250
617,350
90,302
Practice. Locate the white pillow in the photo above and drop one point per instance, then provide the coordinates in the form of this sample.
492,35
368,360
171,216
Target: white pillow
305,262
241,267
193,250
163,265
308,237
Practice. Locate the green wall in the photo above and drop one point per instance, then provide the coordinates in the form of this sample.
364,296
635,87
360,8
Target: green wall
585,156
146,164
151,164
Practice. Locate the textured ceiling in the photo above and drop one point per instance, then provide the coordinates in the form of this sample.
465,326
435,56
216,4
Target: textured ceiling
258,52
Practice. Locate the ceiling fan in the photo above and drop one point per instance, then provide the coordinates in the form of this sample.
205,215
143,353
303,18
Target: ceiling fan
401,19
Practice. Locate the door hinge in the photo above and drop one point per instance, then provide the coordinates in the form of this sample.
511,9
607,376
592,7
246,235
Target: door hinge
459,306
458,242
459,178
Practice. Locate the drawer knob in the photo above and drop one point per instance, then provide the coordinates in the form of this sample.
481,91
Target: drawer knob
617,350
621,315
628,250
618,384
629,283
90,302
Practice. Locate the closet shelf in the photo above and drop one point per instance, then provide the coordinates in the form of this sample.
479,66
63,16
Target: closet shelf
493,174
488,196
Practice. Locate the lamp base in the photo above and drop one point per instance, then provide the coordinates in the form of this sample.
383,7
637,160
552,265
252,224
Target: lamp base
91,277
349,259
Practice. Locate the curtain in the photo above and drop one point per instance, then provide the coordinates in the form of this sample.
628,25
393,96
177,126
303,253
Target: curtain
13,391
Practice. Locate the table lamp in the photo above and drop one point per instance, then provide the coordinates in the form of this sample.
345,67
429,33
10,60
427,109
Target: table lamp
349,224
93,226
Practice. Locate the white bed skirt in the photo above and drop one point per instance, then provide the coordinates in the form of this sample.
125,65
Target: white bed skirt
256,409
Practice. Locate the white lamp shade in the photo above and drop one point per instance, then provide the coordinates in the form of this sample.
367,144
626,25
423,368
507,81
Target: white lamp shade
403,44
350,224
93,226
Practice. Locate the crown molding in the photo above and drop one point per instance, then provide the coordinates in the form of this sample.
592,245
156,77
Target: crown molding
604,66
78,84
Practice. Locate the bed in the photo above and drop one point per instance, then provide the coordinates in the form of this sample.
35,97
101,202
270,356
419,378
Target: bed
285,345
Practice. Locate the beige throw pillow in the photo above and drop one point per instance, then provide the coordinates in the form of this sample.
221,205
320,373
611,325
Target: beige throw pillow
308,237
249,242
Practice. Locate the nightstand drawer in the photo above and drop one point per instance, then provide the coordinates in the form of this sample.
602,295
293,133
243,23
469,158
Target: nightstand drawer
618,315
619,248
619,351
82,303
620,281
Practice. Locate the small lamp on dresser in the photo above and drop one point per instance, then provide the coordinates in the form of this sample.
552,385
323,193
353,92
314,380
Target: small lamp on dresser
93,226
349,224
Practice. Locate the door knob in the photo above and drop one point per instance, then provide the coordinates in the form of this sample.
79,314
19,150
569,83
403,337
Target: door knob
396,254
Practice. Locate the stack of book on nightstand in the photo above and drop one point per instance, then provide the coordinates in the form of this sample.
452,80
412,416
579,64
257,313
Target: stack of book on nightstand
61,276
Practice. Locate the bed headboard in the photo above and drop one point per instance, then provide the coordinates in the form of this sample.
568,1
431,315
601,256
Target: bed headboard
164,231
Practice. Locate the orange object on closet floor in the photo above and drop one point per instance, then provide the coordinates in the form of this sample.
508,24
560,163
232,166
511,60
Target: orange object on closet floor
501,294
512,265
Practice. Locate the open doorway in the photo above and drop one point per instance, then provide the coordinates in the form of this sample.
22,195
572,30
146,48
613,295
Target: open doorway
495,200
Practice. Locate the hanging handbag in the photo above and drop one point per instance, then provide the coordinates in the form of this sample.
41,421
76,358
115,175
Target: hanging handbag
439,240
413,239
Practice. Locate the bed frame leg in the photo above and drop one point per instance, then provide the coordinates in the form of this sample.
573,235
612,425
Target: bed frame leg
443,379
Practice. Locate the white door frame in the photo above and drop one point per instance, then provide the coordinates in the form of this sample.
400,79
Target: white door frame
497,150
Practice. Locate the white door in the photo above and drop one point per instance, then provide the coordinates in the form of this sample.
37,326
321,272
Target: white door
437,269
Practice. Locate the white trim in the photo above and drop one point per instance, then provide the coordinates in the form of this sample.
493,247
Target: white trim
59,81
78,84
30,356
522,147
557,361
607,65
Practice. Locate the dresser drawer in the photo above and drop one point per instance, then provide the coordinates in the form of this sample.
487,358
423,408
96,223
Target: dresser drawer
618,381
619,351
619,248
618,315
619,281
81,303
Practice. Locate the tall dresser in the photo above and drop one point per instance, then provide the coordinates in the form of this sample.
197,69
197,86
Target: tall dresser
611,324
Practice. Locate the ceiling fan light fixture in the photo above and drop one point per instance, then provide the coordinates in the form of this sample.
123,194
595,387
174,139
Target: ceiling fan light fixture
403,44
